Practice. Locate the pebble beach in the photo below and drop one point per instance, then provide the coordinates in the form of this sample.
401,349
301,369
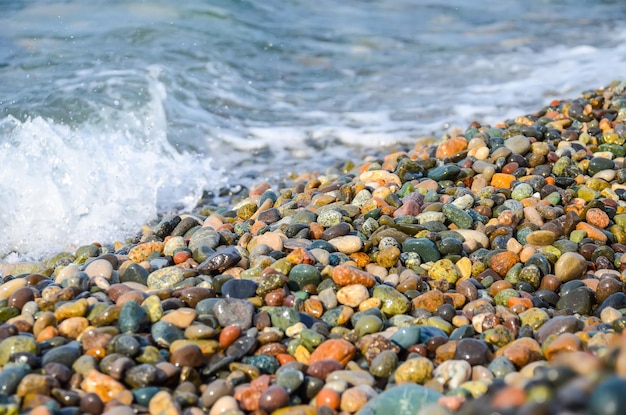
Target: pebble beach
481,273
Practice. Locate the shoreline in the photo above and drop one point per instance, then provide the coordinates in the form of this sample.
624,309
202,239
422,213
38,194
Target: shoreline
481,273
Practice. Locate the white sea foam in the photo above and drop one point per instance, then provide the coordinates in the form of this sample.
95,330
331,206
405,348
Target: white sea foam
60,185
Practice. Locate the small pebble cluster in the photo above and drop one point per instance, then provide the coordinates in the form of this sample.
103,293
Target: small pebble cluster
482,274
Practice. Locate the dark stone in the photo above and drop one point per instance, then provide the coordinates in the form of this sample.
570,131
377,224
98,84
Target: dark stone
609,397
239,288
220,261
617,301
558,325
135,273
241,347
65,355
580,300
474,351
133,318
91,404
164,333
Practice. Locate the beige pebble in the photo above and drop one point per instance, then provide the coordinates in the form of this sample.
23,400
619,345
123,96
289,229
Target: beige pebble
514,246
99,268
458,321
274,240
10,287
352,295
392,279
532,216
473,235
607,175
609,314
163,403
526,253
73,327
181,317
380,175
379,270
224,404
347,244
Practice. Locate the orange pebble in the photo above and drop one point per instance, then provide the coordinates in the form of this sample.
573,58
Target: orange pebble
284,358
229,334
181,256
502,180
328,397
525,302
315,230
47,333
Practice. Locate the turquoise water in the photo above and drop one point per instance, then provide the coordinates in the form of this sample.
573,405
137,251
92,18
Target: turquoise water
112,112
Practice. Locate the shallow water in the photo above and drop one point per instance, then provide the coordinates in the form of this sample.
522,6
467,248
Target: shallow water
112,112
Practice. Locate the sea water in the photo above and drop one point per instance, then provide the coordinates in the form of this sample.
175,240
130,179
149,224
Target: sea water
115,112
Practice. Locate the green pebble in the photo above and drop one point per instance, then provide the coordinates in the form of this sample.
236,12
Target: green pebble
384,364
521,191
447,172
143,395
415,370
152,306
587,194
503,296
290,379
165,278
597,164
311,339
266,364
283,317
302,275
393,301
459,217
16,344
425,248
7,313
368,324
533,317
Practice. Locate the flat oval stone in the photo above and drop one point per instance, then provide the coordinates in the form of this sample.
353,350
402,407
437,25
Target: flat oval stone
459,217
570,266
241,347
239,288
99,268
540,238
220,261
347,244
346,275
558,325
165,278
205,236
425,248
